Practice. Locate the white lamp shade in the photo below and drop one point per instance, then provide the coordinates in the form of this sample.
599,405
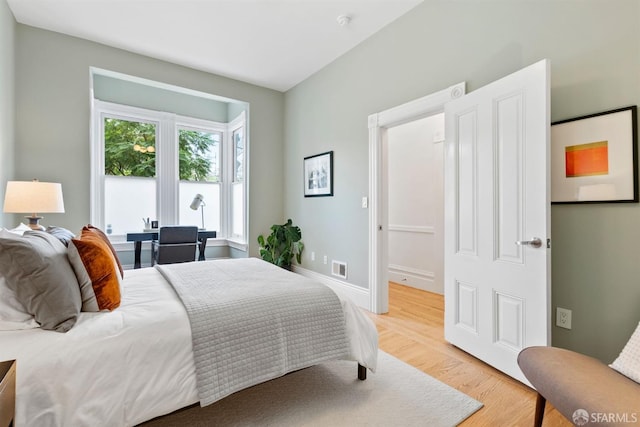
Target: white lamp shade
197,201
33,197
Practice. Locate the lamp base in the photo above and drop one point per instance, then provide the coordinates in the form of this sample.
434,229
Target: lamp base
34,222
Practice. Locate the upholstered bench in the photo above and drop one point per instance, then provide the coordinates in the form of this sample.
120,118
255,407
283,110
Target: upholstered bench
581,388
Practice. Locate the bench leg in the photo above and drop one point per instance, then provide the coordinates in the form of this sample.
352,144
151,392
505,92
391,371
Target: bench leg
362,372
540,404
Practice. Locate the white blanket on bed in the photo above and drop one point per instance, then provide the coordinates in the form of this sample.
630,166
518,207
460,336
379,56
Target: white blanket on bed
252,321
127,366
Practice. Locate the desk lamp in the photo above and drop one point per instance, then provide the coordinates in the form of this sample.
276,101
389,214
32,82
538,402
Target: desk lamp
198,202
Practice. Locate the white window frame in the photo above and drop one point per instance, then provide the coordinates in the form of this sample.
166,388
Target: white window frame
167,171
239,122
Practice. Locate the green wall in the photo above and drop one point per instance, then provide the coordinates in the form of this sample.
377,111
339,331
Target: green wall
52,119
7,95
594,49
153,98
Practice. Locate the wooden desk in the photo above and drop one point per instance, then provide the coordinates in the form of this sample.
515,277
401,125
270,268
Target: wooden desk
144,236
7,392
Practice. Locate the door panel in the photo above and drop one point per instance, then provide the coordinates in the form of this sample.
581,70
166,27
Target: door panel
509,178
497,194
466,188
467,307
509,321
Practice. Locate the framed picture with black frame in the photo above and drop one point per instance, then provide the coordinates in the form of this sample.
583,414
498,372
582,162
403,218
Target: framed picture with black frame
594,158
318,175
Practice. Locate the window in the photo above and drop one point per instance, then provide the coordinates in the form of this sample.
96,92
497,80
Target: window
199,172
149,164
129,169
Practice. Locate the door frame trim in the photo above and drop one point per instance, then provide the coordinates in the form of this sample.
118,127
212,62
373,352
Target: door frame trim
378,219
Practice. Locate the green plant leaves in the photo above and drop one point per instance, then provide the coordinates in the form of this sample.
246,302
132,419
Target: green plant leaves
282,244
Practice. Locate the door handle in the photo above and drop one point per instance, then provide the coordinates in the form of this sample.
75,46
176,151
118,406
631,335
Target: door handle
535,242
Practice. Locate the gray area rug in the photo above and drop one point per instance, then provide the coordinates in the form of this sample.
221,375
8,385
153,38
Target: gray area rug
331,395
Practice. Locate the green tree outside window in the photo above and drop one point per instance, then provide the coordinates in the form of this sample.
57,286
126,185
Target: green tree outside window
130,150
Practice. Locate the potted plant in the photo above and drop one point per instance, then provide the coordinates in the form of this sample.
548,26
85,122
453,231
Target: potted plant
282,245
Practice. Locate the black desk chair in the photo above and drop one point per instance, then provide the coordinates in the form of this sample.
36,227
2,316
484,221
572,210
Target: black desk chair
176,243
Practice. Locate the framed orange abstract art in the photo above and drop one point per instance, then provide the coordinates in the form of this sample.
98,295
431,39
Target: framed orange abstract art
594,159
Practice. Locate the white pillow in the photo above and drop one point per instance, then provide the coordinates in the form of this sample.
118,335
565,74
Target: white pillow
13,315
20,229
10,234
628,363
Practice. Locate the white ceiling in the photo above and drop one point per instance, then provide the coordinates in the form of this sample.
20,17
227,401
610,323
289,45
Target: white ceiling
271,43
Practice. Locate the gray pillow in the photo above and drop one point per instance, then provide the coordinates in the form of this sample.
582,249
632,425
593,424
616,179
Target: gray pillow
61,234
35,266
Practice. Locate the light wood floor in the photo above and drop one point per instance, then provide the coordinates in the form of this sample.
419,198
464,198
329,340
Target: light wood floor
413,332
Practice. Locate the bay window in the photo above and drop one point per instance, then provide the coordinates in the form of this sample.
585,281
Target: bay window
150,164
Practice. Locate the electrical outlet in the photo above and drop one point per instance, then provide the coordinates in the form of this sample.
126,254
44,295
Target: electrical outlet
313,256
325,259
563,318
365,203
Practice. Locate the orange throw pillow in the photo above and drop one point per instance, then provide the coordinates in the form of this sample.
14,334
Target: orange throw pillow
97,272
90,228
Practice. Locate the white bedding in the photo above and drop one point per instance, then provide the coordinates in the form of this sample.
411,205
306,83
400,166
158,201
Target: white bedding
127,366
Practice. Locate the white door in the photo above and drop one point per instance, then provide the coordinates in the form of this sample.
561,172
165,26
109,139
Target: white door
497,287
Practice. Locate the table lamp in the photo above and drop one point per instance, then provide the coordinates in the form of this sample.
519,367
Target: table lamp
33,196
198,202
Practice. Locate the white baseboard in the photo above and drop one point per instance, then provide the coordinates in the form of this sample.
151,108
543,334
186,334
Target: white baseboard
420,279
360,296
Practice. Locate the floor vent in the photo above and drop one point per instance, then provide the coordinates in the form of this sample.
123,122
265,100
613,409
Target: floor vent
339,269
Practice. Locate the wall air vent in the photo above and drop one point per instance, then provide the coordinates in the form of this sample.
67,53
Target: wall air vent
339,269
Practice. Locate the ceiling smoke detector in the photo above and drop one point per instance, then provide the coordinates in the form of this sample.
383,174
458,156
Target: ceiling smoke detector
343,20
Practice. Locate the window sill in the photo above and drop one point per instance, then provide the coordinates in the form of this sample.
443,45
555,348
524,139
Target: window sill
238,244
121,245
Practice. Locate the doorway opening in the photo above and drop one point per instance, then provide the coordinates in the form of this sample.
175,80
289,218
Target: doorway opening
414,182
379,126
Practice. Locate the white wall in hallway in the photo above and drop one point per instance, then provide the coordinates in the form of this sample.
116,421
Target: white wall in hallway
414,165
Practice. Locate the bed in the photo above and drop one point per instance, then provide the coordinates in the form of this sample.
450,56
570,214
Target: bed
132,364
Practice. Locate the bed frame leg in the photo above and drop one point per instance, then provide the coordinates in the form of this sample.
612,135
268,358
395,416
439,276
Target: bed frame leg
362,372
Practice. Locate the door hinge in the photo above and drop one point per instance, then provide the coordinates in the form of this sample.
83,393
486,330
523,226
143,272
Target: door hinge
548,243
